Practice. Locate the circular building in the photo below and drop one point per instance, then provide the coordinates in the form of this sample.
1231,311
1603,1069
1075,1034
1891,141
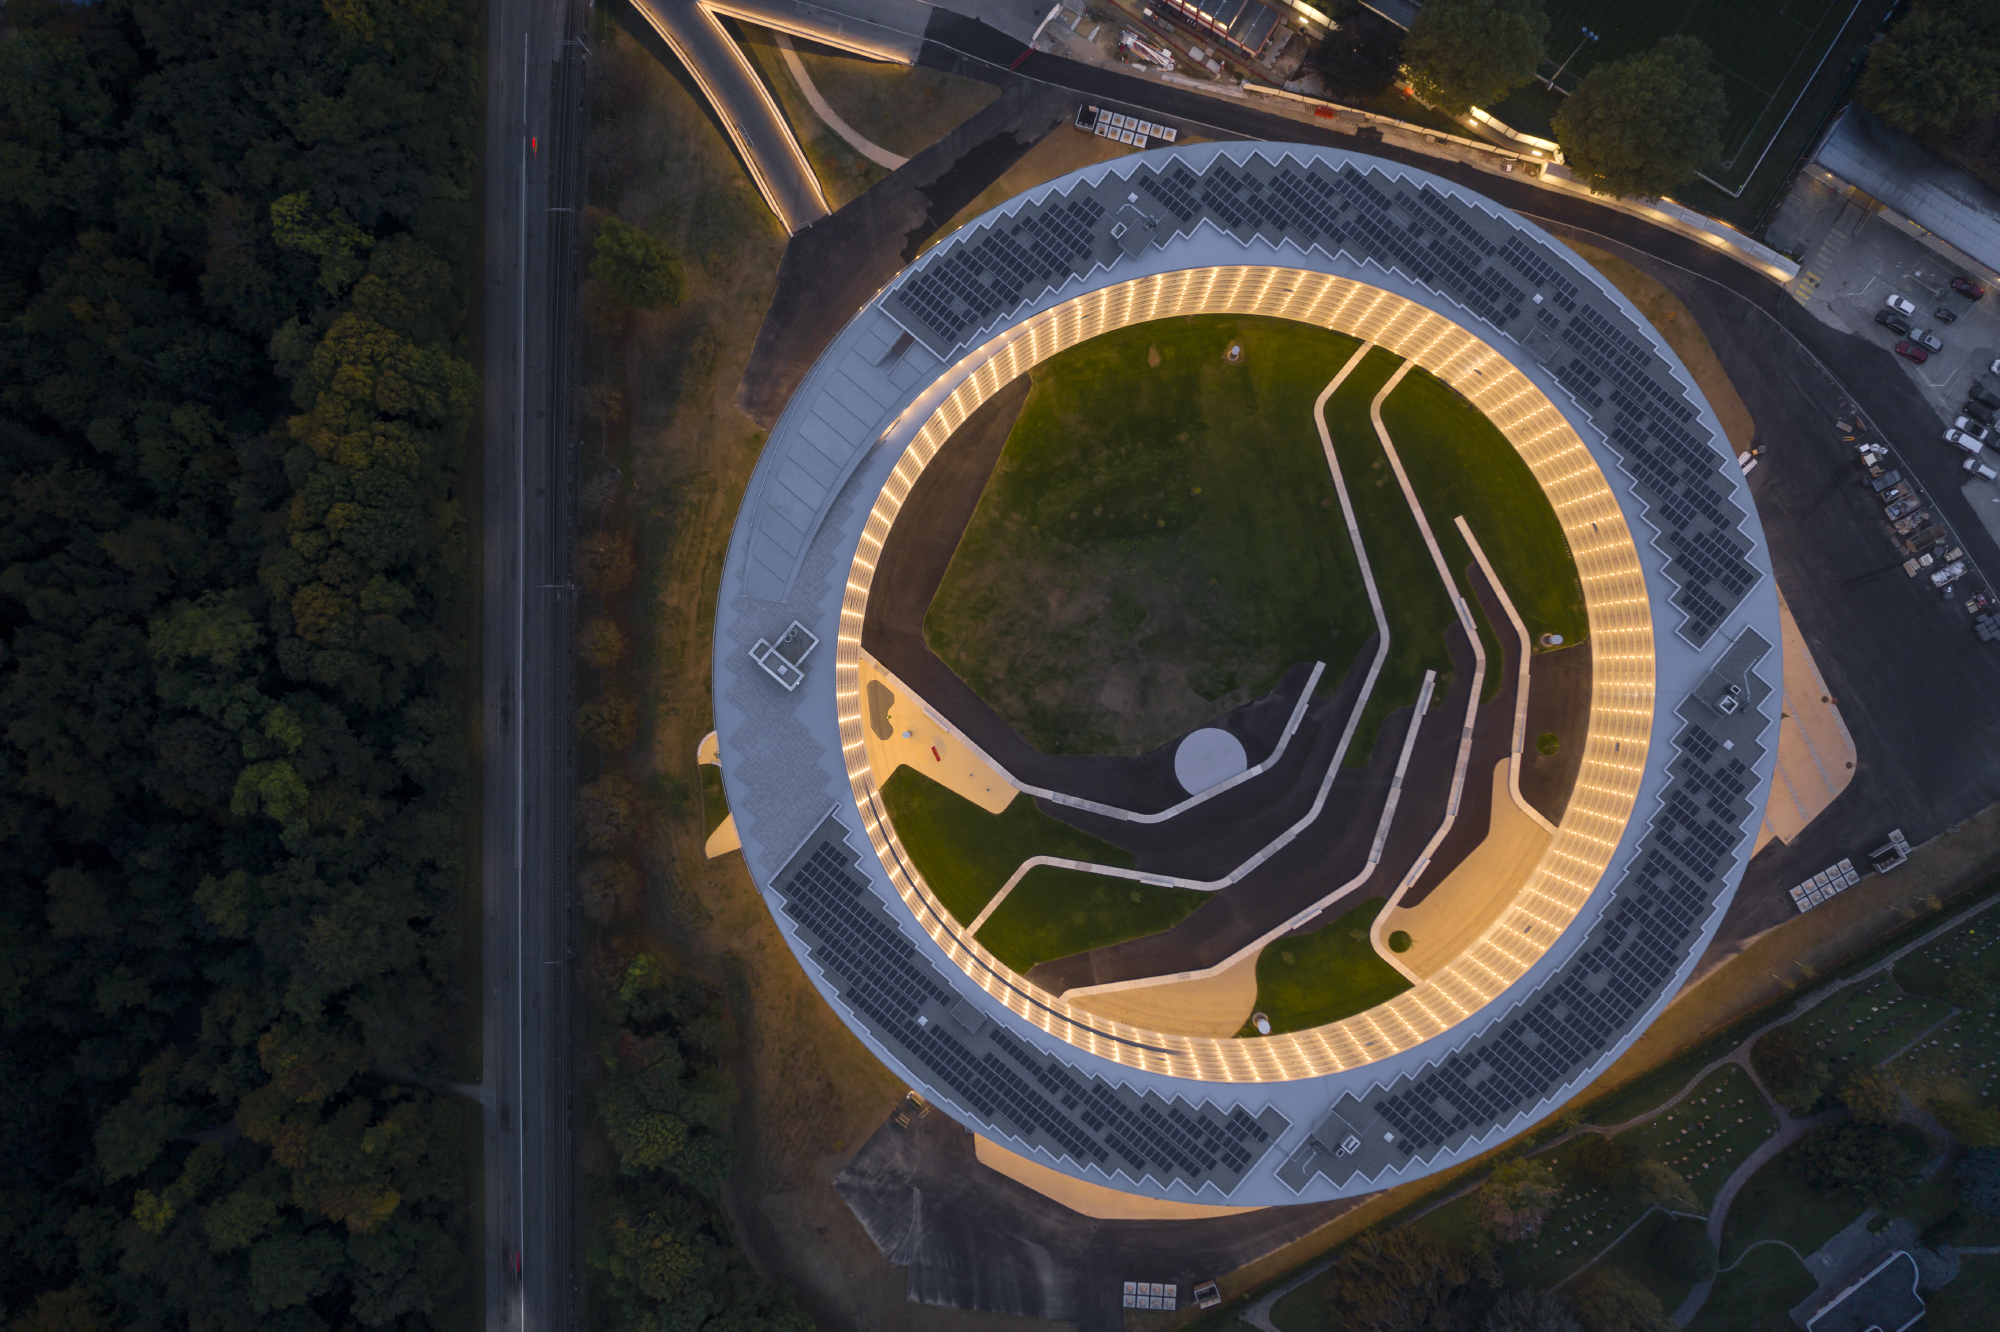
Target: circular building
1567,963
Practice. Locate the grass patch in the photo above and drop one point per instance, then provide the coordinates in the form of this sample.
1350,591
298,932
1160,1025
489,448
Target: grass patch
1634,1256
1055,912
904,108
1159,541
714,800
1415,601
842,172
1755,1295
1461,465
1776,1203
1708,1135
1324,976
1867,1023
966,854
1959,1062
1967,1304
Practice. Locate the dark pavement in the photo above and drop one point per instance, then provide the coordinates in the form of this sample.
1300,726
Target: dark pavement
974,1239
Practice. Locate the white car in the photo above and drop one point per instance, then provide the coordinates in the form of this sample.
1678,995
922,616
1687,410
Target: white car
1965,425
1993,369
1963,440
1899,305
1923,337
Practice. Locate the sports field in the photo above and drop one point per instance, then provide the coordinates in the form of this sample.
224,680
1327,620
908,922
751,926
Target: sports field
1767,54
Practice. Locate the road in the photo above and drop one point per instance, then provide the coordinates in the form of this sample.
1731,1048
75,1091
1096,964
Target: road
533,181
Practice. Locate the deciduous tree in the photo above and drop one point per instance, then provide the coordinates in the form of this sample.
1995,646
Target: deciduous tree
1466,53
1645,124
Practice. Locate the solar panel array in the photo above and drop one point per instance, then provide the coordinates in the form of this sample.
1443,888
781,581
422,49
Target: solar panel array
1485,264
1645,934
903,1002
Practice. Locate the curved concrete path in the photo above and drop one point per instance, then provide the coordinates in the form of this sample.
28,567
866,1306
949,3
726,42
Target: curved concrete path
856,140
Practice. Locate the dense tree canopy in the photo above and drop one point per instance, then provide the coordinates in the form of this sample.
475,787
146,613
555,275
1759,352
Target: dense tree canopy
641,268
1466,53
1518,1198
1645,124
1870,1161
1405,1281
233,763
1938,67
1792,1067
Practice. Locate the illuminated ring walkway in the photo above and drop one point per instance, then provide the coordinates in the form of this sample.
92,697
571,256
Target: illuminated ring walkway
1681,612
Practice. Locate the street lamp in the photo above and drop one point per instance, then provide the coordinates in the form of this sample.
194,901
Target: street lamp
1588,37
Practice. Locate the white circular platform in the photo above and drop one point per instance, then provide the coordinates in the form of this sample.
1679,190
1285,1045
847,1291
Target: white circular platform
1208,757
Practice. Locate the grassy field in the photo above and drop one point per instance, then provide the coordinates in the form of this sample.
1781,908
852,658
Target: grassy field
714,800
1710,1133
904,108
1461,465
1777,1204
1867,1023
842,172
966,854
1766,55
1754,1295
1324,976
1055,912
1419,611
1634,1256
1159,541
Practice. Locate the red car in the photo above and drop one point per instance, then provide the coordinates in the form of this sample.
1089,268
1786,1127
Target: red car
1967,288
1913,351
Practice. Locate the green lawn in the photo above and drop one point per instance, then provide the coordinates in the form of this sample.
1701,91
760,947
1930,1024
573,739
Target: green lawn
1867,1023
1324,976
1777,1204
1960,1060
904,108
1634,1256
1755,1295
1416,603
1460,464
1766,55
1967,1304
966,854
1643,1095
1055,912
1159,541
1710,1133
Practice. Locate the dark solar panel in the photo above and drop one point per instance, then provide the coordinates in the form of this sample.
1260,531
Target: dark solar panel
880,975
1481,262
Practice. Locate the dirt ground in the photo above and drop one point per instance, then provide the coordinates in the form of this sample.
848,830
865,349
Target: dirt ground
676,454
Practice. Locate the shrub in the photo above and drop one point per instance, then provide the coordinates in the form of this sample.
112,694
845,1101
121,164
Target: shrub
637,266
609,721
600,642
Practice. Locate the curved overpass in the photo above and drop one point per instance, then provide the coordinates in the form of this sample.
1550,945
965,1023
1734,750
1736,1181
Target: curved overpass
1677,588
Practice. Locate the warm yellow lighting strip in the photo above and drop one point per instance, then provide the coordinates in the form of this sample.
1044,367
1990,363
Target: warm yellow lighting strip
1622,685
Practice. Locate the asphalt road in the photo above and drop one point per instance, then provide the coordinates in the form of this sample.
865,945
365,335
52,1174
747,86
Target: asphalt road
533,182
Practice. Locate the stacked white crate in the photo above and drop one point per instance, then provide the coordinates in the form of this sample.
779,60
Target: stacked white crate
1823,885
1152,1295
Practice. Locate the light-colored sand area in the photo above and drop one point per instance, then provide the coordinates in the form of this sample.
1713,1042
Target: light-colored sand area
1216,1005
723,840
1092,1200
897,730
1815,752
1472,896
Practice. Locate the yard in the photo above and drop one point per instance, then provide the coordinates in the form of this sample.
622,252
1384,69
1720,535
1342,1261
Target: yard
1865,1024
1312,979
1754,1295
1709,1134
966,854
1055,912
1159,542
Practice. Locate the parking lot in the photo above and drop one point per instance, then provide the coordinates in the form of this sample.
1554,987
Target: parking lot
1855,260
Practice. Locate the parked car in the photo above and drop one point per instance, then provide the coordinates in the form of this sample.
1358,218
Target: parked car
1971,427
1927,338
1984,396
1980,469
1899,305
1892,321
1967,288
1963,440
1912,351
1983,415
1994,369
1944,315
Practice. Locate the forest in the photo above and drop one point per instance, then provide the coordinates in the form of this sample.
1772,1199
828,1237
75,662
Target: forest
234,400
